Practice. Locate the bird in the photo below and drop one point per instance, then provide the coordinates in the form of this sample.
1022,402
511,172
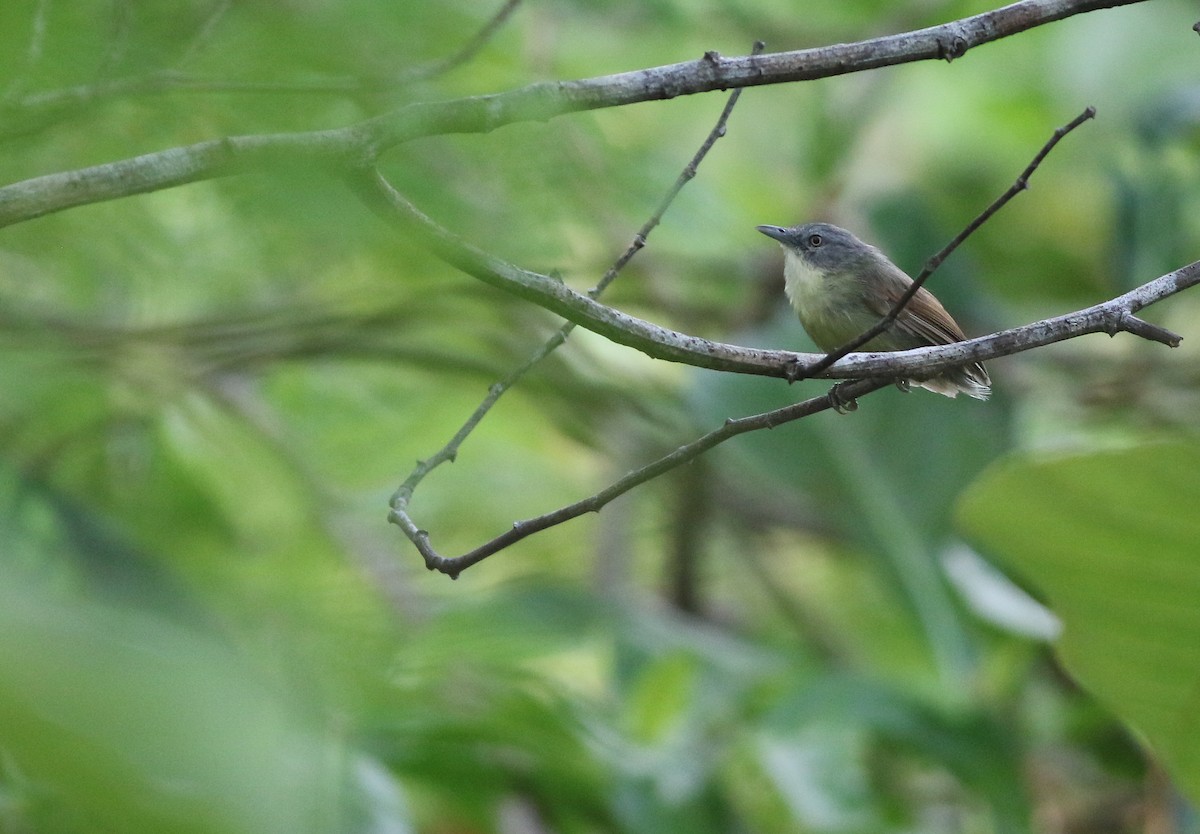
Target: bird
840,287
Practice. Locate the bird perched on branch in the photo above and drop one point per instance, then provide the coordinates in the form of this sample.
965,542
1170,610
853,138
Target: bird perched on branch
841,287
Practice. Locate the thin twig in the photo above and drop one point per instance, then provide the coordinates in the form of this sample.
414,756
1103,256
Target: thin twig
402,496
731,428
123,23
1019,185
685,176
468,51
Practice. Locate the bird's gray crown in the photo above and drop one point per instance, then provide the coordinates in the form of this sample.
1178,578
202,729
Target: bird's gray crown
823,245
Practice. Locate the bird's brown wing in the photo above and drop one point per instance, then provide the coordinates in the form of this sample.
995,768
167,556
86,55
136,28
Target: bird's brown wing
926,322
924,318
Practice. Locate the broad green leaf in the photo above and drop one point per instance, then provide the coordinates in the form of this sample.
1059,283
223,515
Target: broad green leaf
1112,538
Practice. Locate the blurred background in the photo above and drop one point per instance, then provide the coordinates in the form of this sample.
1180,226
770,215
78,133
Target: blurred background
927,616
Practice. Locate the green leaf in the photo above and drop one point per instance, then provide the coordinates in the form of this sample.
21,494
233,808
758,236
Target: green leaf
1112,538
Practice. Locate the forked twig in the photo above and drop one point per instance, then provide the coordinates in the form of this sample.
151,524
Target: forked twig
400,499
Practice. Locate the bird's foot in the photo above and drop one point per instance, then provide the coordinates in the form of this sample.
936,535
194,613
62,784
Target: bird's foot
841,404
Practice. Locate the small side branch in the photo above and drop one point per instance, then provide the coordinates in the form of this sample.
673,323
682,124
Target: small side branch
1132,324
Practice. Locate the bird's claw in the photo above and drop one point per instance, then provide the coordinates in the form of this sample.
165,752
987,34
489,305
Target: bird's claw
840,403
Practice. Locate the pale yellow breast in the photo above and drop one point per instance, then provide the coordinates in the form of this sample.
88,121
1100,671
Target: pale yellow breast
804,286
830,307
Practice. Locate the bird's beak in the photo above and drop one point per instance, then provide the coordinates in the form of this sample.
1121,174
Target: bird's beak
776,232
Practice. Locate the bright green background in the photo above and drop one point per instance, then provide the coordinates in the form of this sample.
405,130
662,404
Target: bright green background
209,393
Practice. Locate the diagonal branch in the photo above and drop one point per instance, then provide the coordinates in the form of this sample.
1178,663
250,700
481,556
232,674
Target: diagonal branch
524,529
361,144
1117,315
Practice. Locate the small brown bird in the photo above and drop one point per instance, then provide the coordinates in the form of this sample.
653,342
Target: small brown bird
840,287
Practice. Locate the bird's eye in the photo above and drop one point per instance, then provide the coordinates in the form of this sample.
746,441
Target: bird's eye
815,240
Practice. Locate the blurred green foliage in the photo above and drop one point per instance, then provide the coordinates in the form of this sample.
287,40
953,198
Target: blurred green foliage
210,392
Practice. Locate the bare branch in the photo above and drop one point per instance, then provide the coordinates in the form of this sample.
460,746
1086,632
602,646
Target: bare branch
731,428
361,144
1109,317
208,160
556,297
